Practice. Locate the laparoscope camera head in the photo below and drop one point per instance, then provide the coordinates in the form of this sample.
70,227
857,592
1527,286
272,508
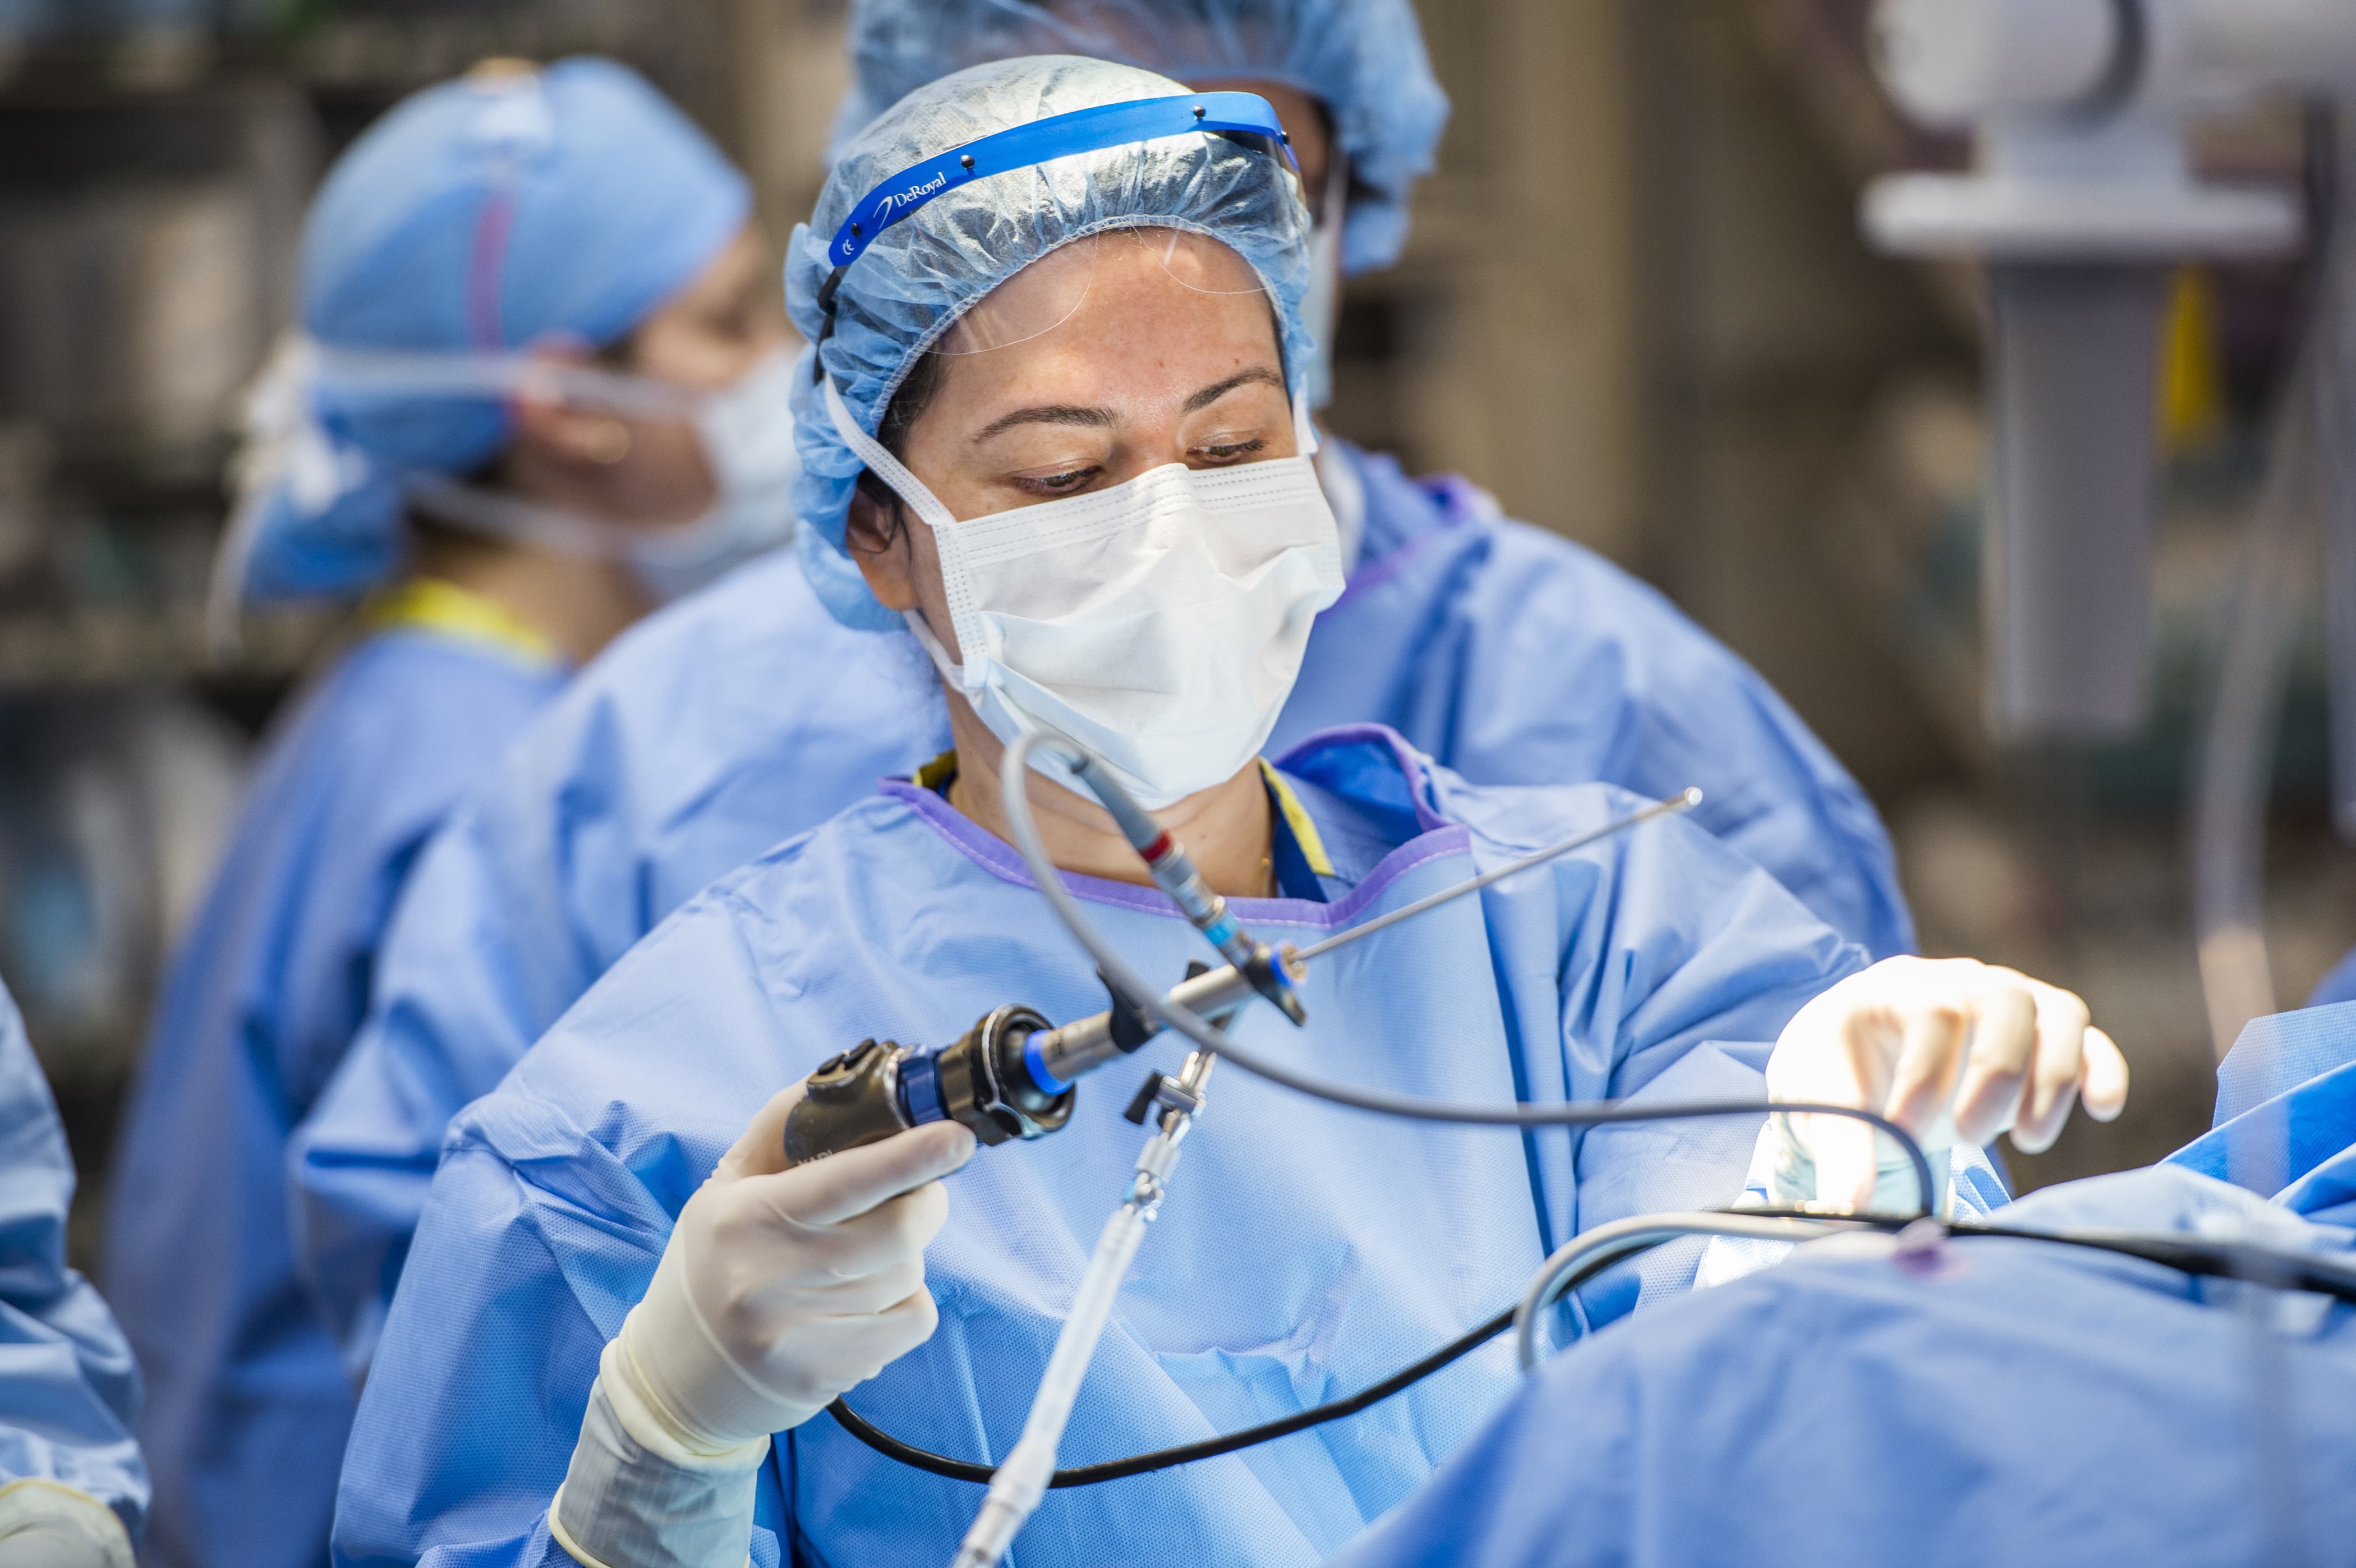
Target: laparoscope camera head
878,1087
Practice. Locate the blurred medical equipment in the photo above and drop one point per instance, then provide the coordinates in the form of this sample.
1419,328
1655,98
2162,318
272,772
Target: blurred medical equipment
2084,191
110,827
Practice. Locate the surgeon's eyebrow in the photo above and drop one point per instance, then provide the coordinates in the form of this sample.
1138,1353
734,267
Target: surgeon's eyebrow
1218,390
1046,414
1084,418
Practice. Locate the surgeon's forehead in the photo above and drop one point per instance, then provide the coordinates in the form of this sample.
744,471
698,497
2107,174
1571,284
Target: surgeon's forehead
1193,311
1053,290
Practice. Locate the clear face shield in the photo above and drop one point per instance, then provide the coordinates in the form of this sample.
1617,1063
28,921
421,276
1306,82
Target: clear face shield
1050,291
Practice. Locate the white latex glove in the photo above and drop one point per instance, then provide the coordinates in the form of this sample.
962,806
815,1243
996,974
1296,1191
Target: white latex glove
781,1289
47,1524
1954,1051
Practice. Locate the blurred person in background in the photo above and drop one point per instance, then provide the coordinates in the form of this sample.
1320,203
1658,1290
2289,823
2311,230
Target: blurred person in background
73,1489
750,713
540,388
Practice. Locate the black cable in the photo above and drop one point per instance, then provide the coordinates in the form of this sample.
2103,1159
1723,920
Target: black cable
1456,1349
2185,1255
1209,1448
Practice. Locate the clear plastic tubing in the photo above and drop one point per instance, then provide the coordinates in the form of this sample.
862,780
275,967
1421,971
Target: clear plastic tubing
1019,1483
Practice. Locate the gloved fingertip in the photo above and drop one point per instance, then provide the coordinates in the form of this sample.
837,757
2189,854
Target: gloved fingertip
2105,1091
956,1145
2031,1138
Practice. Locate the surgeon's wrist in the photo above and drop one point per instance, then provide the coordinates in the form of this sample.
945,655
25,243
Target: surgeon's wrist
72,1526
654,1426
636,1496
1791,1172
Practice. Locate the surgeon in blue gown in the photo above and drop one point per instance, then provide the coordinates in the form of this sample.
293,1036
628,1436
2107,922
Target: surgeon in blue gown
73,1488
1054,426
570,222
2024,1403
748,713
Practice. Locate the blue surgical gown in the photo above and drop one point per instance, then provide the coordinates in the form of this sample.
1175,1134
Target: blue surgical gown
69,1389
249,1400
746,714
1304,1251
2037,1405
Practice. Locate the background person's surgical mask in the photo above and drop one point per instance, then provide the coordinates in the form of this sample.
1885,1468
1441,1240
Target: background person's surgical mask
746,432
1159,623
748,438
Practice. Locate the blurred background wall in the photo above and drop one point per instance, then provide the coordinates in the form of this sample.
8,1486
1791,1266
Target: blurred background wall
1635,309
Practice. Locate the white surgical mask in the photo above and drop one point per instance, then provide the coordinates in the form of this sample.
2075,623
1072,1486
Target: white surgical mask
1160,624
748,438
748,432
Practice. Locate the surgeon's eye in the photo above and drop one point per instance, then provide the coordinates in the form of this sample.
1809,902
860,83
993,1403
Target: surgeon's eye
1070,482
1219,452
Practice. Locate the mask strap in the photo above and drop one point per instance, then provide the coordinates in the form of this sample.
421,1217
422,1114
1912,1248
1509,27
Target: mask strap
886,466
232,562
1047,764
284,455
1304,428
926,505
954,674
505,517
498,373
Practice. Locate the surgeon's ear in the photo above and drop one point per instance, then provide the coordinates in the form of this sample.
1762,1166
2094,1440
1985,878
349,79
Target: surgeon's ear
877,533
572,436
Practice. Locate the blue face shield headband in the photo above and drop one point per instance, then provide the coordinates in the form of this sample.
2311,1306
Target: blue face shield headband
1243,117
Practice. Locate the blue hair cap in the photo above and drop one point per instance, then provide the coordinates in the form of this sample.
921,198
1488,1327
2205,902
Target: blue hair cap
1362,59
921,274
481,215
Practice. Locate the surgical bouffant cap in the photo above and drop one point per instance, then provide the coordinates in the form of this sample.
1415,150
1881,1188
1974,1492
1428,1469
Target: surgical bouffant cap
1364,59
918,276
478,216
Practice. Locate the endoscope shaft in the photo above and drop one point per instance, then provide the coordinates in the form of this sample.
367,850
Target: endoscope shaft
1087,1043
1083,1045
1684,800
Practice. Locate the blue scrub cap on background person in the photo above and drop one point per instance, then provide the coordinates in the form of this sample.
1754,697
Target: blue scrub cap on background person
479,214
1364,59
917,277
